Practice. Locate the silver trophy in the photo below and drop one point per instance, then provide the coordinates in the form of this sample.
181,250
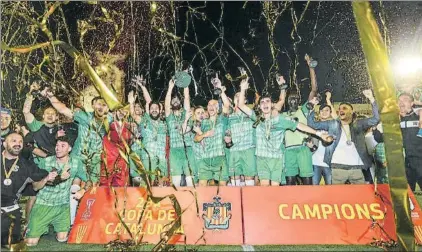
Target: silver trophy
216,82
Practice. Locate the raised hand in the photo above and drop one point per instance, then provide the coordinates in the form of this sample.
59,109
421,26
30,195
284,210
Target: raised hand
244,84
34,87
308,59
314,101
280,80
171,84
139,80
368,94
47,92
328,95
216,82
131,97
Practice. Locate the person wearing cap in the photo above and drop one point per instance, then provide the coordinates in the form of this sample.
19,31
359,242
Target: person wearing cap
298,159
152,148
53,200
181,154
270,131
6,119
16,173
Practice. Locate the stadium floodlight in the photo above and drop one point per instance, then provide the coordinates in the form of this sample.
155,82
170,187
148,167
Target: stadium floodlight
408,66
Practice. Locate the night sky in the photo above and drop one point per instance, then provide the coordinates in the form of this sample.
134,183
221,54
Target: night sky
327,32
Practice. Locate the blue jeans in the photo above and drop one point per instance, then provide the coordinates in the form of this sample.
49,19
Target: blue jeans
320,171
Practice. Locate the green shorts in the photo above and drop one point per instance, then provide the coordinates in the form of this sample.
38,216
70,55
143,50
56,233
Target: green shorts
213,168
42,216
242,163
270,168
179,163
298,161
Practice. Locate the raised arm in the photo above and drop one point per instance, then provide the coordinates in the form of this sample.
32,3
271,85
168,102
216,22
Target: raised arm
312,75
29,117
366,123
131,97
139,80
282,97
244,85
186,99
226,101
186,127
167,101
322,125
329,103
58,105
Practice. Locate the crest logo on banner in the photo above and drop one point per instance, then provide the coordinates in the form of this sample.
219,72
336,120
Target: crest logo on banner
217,214
87,214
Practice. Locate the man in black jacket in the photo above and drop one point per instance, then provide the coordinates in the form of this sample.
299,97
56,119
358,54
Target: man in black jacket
17,172
412,144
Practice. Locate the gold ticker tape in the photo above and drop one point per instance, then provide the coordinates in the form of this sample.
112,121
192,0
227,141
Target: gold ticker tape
382,81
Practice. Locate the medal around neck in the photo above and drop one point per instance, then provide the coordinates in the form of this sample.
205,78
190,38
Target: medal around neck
182,79
7,182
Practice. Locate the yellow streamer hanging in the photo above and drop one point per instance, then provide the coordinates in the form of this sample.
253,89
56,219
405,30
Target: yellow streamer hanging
382,81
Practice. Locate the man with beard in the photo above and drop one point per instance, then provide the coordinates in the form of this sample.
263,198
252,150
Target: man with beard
114,169
298,159
349,155
16,173
53,200
412,145
181,153
154,133
91,130
270,137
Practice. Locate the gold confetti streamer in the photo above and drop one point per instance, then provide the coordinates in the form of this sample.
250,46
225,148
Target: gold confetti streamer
382,81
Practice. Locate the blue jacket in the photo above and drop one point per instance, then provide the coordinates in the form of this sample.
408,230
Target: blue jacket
358,130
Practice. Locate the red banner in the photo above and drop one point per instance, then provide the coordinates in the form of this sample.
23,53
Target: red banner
336,214
217,221
416,217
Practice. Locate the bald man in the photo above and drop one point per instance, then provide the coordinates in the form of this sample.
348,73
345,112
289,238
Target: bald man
213,164
17,172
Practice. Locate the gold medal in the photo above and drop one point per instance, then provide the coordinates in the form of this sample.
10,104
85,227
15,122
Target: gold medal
7,181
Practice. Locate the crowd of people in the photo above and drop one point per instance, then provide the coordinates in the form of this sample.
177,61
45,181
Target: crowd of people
229,142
